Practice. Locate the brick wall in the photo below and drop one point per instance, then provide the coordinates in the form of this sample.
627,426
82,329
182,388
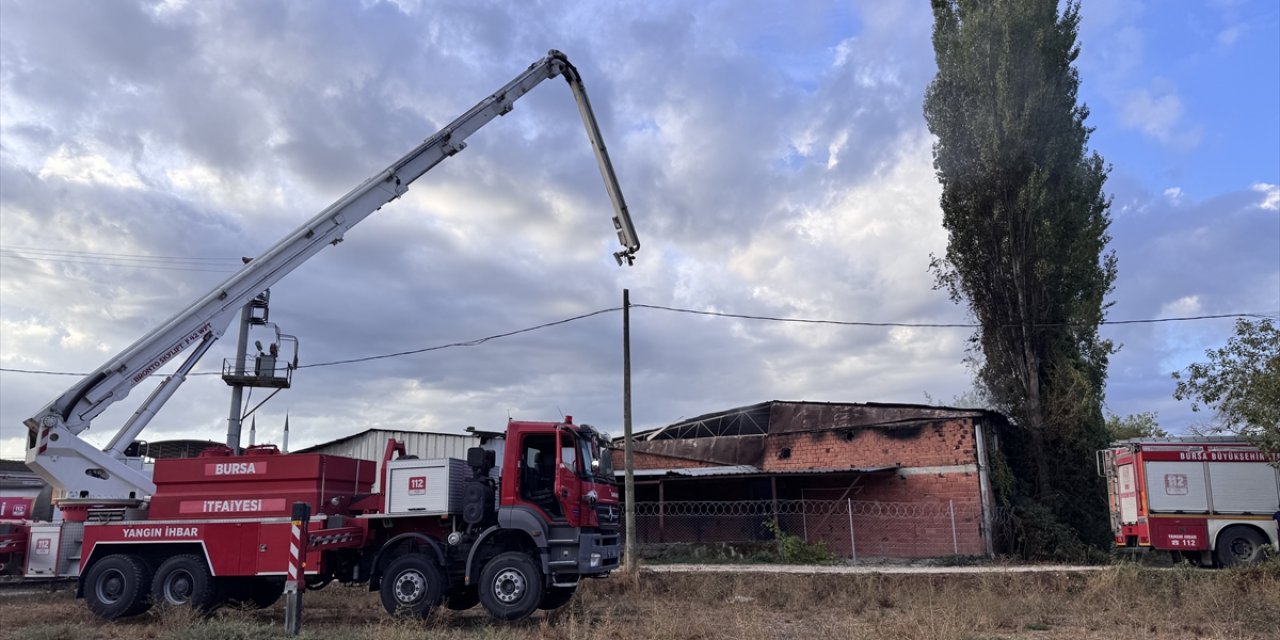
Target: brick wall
940,443
645,460
922,530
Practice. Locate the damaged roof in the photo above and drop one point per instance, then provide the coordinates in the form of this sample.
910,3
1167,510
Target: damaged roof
786,416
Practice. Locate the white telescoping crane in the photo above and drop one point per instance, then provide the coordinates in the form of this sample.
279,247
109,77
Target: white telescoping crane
84,476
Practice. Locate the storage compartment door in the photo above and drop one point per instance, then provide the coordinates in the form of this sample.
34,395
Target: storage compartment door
1177,487
1244,487
1128,493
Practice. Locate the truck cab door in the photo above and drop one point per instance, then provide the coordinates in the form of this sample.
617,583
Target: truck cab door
568,486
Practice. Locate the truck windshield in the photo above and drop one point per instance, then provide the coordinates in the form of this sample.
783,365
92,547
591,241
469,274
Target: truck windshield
595,456
606,461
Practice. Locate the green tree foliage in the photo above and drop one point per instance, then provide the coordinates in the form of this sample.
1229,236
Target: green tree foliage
1137,425
1027,219
1240,382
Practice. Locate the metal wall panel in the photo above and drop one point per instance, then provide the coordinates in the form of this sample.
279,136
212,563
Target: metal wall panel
372,444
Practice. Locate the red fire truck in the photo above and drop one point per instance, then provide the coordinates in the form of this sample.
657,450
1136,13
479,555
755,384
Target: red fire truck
514,526
1207,500
513,537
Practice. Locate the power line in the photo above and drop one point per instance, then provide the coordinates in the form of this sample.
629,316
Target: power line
468,343
479,341
936,325
124,260
95,254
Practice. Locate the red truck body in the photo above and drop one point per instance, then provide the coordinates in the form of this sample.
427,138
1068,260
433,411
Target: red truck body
1208,500
548,499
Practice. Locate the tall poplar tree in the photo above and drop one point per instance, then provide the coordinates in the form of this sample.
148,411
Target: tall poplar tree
1027,218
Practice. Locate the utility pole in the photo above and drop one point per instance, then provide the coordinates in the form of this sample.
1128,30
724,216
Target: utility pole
237,389
629,482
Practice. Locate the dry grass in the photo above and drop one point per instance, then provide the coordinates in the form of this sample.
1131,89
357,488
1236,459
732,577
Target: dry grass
1120,601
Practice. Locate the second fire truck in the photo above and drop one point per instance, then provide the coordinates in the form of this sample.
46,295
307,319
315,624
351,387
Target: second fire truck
1207,500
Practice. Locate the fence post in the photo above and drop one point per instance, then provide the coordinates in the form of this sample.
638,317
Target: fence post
296,582
804,516
853,549
955,542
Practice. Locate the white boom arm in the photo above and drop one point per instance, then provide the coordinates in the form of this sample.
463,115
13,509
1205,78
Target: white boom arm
88,475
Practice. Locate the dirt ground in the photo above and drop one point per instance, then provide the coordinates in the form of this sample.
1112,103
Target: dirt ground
1109,602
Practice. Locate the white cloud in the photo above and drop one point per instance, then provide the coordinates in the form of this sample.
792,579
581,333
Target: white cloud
1232,34
1270,195
1173,195
87,168
1160,115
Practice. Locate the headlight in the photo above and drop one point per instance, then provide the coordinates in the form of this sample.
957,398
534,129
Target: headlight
593,560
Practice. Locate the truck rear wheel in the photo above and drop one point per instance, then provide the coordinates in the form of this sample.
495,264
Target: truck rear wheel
1239,545
118,586
412,585
185,580
510,586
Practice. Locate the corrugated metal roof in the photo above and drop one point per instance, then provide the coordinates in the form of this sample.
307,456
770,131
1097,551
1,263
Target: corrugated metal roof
370,444
836,470
730,470
787,416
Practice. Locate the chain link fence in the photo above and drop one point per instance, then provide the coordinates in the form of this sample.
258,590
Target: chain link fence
853,529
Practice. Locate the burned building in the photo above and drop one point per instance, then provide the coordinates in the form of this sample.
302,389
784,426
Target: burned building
866,480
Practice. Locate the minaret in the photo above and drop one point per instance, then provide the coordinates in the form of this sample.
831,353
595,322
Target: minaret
253,430
284,446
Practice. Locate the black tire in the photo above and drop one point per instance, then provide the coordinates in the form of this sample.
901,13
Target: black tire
118,586
557,597
185,581
462,599
511,586
412,585
1239,545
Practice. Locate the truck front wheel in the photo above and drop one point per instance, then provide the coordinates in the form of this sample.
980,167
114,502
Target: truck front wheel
1239,545
510,586
117,586
412,585
185,580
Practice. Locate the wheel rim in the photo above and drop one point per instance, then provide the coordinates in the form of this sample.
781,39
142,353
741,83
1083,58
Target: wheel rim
110,587
509,586
1242,549
178,587
410,585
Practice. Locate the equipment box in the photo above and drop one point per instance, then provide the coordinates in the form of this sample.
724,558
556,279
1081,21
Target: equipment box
261,485
427,487
53,550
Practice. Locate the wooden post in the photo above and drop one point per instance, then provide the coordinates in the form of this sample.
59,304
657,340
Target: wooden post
629,482
296,582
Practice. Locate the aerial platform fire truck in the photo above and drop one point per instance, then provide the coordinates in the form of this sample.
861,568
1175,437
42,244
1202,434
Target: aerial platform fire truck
1207,500
514,527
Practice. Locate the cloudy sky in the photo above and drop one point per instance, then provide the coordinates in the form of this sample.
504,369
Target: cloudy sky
774,156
